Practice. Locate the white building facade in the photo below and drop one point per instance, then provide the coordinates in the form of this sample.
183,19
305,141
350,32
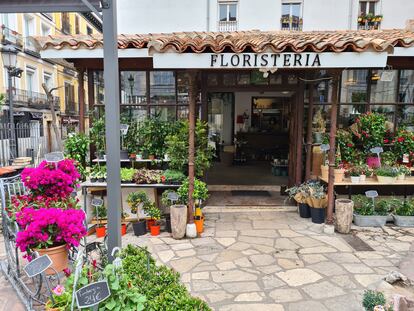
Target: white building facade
156,16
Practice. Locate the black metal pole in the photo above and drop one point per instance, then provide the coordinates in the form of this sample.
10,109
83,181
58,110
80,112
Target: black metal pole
11,116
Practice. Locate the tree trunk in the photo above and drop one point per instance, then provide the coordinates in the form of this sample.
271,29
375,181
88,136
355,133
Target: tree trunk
58,137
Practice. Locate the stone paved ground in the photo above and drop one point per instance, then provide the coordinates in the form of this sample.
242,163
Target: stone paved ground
278,261
272,261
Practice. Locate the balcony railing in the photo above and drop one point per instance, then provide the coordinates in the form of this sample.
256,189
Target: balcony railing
9,36
31,99
369,22
227,25
71,108
288,22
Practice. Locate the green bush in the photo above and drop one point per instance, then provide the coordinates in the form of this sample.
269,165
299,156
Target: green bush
77,148
127,174
386,171
371,299
200,191
159,284
173,176
405,209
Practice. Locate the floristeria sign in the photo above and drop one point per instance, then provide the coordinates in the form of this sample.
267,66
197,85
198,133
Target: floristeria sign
270,60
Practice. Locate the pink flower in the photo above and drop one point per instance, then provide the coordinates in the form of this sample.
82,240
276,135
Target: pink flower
58,290
67,272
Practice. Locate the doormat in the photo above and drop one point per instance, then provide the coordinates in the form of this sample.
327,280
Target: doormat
357,244
253,193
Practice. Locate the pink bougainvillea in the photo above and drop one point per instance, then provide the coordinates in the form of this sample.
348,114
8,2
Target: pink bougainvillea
49,180
43,228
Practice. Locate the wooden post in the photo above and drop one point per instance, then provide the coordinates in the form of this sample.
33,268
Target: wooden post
309,133
299,132
332,151
81,99
192,94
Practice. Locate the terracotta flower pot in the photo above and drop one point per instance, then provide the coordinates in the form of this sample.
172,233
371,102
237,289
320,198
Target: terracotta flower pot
339,174
150,223
59,257
100,232
155,229
151,157
325,172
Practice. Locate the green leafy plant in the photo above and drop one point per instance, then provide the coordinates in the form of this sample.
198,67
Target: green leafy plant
354,171
405,209
365,207
388,158
403,170
177,148
134,199
152,133
100,212
97,135
386,171
152,211
127,174
200,191
371,299
159,284
345,145
146,176
77,148
404,143
371,130
173,176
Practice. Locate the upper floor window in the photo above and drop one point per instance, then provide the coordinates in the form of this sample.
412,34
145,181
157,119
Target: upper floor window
291,16
65,23
227,16
47,79
89,30
46,30
31,80
77,28
368,17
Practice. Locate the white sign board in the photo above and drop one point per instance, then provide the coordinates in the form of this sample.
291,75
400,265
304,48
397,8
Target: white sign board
269,60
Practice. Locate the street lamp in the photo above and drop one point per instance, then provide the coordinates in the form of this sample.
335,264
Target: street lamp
9,56
131,82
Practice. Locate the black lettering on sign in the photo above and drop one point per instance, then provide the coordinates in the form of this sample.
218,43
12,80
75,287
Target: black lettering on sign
213,60
286,60
264,60
298,59
37,266
317,61
92,294
246,60
235,60
222,64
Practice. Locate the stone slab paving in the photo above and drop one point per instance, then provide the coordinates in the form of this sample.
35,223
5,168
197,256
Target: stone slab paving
279,261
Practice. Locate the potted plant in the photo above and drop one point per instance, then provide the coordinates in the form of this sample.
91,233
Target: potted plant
127,174
404,145
155,215
299,194
319,126
100,215
365,172
136,200
386,174
355,174
402,172
77,148
404,214
339,171
369,214
317,200
173,177
97,136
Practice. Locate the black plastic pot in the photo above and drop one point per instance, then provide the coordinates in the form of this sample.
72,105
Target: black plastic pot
101,179
318,215
168,223
139,227
93,179
124,155
304,210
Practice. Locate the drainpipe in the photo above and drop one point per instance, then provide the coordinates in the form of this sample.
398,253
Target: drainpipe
208,16
351,8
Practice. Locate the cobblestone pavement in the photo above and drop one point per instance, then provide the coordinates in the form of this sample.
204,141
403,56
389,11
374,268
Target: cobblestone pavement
272,261
278,261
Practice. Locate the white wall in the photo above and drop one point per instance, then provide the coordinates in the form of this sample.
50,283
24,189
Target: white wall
155,16
262,14
396,13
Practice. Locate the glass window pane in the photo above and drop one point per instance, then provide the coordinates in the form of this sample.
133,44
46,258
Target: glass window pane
354,86
229,79
243,79
275,79
133,113
285,9
387,110
162,87
296,10
165,113
383,86
348,114
133,87
223,12
182,112
232,12
99,87
405,116
212,79
371,7
406,93
363,7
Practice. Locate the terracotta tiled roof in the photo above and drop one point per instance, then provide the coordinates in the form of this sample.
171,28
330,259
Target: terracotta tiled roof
246,41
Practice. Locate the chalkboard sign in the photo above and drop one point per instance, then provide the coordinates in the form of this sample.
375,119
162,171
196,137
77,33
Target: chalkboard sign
371,194
124,128
325,147
92,294
172,196
37,266
97,202
377,150
54,157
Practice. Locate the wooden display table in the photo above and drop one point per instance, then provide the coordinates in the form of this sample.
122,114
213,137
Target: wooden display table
372,183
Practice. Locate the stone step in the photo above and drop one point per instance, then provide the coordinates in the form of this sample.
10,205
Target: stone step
248,209
243,187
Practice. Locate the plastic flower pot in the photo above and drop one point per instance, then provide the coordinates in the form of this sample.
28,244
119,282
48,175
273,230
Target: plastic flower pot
370,221
401,177
150,222
93,179
100,231
355,179
318,215
199,224
123,229
362,178
304,210
59,257
124,155
139,227
404,221
386,179
155,229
